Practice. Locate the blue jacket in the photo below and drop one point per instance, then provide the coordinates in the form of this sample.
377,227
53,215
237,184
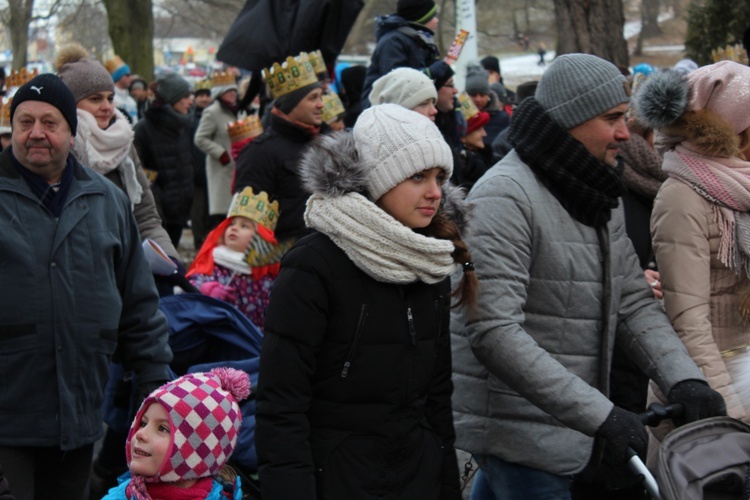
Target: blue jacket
217,491
399,44
75,289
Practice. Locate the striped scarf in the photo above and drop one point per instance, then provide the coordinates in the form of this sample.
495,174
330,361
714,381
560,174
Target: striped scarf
587,188
725,183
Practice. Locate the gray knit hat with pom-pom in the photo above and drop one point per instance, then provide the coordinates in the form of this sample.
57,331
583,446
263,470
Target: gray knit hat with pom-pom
83,75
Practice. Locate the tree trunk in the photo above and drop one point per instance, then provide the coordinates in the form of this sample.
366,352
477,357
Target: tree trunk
650,19
20,17
131,28
592,27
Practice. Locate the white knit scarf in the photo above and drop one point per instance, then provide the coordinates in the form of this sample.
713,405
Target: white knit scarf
725,183
104,150
377,243
231,259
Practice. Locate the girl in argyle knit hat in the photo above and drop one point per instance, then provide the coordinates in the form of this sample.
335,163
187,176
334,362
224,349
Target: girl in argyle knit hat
181,439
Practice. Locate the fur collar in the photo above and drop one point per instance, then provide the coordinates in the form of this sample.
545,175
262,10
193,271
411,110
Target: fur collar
331,167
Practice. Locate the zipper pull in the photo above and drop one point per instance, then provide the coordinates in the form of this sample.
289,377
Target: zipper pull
345,371
412,329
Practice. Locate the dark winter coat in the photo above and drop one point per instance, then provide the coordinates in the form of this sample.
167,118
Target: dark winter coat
470,166
354,392
76,287
199,157
399,44
165,146
270,163
499,120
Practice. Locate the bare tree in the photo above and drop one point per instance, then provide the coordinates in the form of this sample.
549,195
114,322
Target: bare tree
131,28
86,23
592,27
17,18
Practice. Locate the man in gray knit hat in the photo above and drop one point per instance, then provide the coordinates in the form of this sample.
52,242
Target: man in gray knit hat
560,285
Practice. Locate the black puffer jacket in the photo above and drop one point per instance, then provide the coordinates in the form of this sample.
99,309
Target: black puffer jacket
399,44
165,146
353,396
354,393
270,163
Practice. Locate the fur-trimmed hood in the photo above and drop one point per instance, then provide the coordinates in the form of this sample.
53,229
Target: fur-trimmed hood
331,167
698,108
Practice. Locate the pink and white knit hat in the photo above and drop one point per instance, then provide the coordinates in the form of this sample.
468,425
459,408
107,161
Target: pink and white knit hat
205,421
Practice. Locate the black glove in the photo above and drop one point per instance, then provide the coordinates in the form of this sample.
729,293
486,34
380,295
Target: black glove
623,430
698,401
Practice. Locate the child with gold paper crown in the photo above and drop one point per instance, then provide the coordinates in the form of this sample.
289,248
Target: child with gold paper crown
240,259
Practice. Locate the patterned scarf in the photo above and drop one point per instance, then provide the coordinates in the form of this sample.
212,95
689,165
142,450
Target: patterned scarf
377,243
725,183
642,171
587,188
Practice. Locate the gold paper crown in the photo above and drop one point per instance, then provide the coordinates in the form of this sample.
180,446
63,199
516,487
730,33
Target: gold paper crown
734,53
18,78
244,129
5,115
317,62
468,108
332,107
295,74
222,78
255,207
114,64
204,84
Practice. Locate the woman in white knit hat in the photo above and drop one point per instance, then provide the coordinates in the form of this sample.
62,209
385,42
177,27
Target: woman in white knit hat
407,87
355,377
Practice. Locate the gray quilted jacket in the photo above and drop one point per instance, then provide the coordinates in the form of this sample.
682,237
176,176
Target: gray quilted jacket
531,367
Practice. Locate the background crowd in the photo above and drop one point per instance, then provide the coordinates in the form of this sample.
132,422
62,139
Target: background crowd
515,273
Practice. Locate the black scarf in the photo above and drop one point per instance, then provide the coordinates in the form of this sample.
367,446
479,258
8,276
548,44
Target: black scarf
587,188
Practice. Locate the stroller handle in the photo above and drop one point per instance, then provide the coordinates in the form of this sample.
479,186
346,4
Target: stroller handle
657,412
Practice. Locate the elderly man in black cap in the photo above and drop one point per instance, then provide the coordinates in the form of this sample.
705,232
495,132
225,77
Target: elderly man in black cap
404,39
77,287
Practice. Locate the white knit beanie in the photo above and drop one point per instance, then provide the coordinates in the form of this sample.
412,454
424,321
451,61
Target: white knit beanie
406,87
395,143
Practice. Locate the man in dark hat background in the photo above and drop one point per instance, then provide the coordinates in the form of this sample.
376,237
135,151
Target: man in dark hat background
404,39
78,287
270,162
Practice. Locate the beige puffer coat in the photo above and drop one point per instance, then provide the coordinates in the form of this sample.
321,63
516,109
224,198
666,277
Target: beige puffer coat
701,294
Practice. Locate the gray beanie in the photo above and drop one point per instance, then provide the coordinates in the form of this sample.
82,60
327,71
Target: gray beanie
477,80
396,143
171,87
578,87
82,75
406,87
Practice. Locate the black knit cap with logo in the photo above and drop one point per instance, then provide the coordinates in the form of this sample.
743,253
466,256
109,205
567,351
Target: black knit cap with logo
50,89
416,11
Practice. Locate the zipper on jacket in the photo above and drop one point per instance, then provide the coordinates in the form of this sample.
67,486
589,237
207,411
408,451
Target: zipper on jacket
439,326
412,328
357,334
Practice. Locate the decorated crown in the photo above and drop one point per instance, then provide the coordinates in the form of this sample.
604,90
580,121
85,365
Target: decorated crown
317,62
5,116
332,107
734,53
223,78
244,129
255,207
18,78
204,84
114,64
468,108
296,73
